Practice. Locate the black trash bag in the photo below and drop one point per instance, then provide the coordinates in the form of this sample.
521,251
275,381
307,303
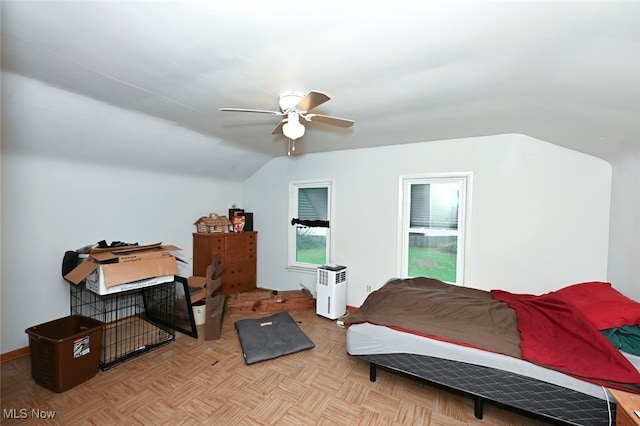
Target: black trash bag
69,261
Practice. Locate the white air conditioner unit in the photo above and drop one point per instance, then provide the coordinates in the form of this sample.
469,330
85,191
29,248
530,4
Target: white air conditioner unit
331,291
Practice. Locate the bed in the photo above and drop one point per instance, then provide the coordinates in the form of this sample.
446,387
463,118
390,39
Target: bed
550,355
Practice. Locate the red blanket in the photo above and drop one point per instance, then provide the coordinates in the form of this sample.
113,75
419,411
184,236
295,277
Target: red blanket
555,334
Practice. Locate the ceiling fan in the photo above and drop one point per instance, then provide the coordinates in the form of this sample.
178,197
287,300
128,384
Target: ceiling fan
295,106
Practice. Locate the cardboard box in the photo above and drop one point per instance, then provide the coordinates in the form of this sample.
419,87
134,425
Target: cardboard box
96,283
197,288
113,270
214,314
199,285
133,253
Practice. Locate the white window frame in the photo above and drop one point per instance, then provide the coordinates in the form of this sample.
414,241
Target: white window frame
465,179
294,186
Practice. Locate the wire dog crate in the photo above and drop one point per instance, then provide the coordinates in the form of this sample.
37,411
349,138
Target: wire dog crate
128,333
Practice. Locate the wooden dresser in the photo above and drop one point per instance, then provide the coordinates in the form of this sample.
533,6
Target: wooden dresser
238,253
627,403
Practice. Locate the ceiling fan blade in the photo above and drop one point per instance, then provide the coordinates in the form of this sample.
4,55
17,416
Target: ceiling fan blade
261,111
278,129
312,100
327,119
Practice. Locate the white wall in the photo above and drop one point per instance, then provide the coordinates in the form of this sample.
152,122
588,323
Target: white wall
51,206
539,216
624,241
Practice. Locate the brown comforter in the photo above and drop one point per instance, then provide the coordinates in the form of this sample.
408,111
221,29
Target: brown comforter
464,315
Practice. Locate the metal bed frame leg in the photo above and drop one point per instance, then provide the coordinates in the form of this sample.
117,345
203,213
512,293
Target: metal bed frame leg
478,406
372,372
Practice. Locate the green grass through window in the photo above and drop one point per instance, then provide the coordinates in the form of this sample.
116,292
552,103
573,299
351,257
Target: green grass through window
432,263
311,249
315,256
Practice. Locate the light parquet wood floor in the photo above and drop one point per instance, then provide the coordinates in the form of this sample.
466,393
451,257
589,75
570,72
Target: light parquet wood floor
192,382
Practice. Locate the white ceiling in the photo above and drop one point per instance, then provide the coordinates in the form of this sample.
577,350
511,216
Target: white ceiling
156,74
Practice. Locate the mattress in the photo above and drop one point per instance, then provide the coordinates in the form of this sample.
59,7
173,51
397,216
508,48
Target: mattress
368,339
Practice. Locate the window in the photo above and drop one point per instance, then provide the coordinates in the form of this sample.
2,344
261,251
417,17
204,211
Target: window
433,216
310,212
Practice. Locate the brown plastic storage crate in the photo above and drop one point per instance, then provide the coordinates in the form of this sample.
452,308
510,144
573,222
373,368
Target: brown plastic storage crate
65,352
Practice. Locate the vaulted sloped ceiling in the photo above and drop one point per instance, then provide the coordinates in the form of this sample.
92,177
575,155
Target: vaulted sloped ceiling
140,83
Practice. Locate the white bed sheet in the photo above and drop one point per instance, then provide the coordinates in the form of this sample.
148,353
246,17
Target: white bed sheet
367,339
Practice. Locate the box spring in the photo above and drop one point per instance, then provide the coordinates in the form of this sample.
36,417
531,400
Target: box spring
550,402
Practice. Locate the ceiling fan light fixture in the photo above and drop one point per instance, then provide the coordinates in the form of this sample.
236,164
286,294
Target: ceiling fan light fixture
289,100
293,129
